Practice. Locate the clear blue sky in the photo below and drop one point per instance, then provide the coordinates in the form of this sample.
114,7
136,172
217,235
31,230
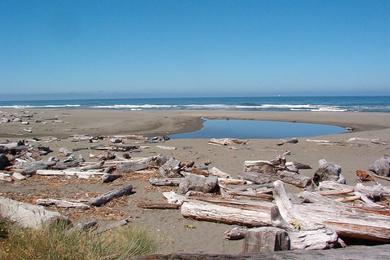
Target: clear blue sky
201,48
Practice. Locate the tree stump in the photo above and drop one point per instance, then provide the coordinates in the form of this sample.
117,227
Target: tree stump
265,239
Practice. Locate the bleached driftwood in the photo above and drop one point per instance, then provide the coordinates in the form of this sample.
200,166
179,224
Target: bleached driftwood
217,172
227,141
165,181
108,196
241,212
268,177
27,215
61,203
174,198
265,239
79,174
201,183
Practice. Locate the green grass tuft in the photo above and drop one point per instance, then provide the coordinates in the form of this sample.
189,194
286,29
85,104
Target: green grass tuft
59,242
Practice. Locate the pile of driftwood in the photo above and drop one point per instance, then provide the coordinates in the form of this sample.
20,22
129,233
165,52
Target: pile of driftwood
327,214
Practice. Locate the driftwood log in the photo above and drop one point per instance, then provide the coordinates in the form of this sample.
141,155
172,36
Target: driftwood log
62,203
108,196
265,239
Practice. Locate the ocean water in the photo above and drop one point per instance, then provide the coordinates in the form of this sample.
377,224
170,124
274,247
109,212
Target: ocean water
277,103
251,129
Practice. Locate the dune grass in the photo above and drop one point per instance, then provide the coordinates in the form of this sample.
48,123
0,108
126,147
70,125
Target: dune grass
58,241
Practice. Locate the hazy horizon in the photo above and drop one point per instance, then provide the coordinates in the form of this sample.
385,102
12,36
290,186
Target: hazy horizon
194,48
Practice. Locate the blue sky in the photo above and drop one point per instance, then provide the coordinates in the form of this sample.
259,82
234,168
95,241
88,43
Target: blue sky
200,48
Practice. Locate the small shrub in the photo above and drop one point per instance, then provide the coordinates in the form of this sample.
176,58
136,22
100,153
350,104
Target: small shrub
59,242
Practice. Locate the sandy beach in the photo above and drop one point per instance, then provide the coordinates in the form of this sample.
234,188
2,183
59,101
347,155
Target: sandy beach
352,150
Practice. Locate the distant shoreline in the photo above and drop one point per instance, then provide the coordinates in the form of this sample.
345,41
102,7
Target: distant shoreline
165,122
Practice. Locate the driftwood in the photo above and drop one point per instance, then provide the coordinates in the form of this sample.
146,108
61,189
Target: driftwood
174,198
268,177
217,172
229,211
201,183
295,221
348,221
27,215
18,176
157,205
235,233
265,239
165,181
108,177
226,141
171,168
381,166
112,225
289,141
61,203
5,177
79,174
328,172
108,196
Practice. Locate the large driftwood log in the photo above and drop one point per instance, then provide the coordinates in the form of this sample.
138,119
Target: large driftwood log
28,215
69,172
247,213
348,221
62,203
217,172
108,196
265,239
174,198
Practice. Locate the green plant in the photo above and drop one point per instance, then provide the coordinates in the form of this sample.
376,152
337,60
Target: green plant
59,242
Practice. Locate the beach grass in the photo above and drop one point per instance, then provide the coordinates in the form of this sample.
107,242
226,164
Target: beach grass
58,241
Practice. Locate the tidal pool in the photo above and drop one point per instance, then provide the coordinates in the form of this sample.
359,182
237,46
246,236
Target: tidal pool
252,129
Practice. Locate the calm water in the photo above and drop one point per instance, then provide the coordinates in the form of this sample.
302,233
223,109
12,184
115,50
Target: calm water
251,129
276,103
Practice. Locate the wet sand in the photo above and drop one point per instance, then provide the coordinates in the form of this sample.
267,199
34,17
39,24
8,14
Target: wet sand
175,233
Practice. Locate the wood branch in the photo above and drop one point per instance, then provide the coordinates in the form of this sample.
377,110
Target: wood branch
226,141
233,181
157,205
94,166
374,192
165,181
61,203
348,199
28,215
108,196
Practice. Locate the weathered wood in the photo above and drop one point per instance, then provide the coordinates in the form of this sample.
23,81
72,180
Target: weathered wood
108,177
174,198
198,183
61,203
170,168
112,225
374,192
28,215
94,166
69,172
265,239
227,141
328,172
217,172
266,177
381,166
235,233
207,211
158,205
5,177
108,196
348,221
165,181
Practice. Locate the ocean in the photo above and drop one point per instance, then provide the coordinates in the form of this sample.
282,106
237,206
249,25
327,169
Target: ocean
275,103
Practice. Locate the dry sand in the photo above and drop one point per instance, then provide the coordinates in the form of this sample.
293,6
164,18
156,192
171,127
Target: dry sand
168,226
